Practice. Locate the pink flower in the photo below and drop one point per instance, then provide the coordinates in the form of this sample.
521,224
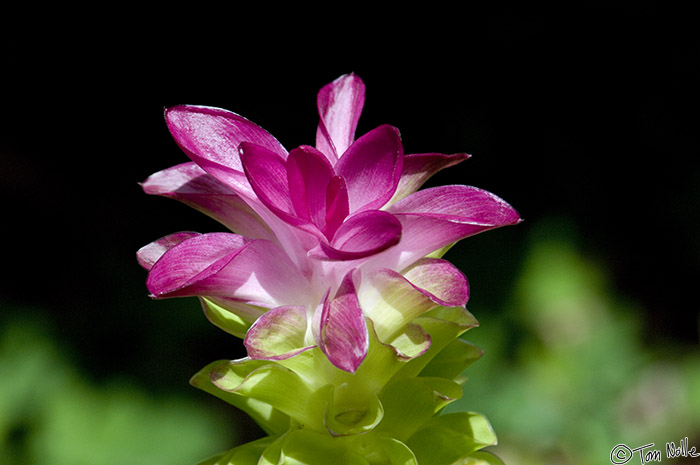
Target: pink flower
312,226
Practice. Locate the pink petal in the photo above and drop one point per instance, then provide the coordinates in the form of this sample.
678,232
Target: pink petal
191,260
339,106
364,234
211,136
342,330
278,334
372,168
419,167
308,174
227,265
191,185
436,217
337,207
151,253
439,280
267,173
392,299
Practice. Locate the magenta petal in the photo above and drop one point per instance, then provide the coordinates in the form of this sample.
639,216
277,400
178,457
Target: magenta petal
419,167
151,253
227,265
339,106
185,178
342,331
308,174
439,280
436,217
364,234
191,185
372,168
463,204
191,261
278,334
267,173
211,136
337,207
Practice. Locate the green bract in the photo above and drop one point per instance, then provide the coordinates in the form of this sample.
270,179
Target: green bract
388,412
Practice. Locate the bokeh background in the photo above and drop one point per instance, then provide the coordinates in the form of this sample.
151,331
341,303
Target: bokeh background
585,121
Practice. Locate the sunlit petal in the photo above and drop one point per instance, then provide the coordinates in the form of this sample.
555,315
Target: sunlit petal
372,168
339,106
211,136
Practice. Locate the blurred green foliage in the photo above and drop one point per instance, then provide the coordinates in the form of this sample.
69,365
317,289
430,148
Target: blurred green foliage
568,373
51,413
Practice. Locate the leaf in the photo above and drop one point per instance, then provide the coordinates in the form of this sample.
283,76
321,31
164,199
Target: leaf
271,420
451,361
351,412
275,385
409,404
451,437
443,324
224,319
245,454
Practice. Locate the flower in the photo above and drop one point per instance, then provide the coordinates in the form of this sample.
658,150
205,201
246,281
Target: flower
318,232
333,275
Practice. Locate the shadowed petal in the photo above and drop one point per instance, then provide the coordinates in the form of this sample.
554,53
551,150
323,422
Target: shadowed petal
267,173
308,174
278,334
342,330
339,106
149,254
227,265
337,207
191,185
364,234
211,136
371,168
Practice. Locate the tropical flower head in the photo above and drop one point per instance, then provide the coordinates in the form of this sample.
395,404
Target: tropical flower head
332,273
319,234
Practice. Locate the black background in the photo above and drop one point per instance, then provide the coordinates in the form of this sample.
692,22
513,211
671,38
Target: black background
590,115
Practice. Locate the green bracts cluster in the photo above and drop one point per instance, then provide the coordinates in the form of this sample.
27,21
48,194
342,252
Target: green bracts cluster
389,412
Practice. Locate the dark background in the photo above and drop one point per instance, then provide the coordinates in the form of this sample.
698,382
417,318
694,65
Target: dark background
588,115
